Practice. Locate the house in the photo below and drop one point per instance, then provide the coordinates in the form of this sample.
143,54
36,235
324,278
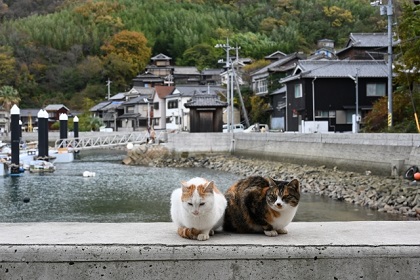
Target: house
54,111
136,114
211,76
206,112
366,46
159,105
332,91
29,118
265,83
4,121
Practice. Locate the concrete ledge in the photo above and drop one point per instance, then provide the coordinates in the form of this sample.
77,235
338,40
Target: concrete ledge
350,250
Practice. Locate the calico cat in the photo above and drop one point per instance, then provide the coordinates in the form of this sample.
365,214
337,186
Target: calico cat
257,204
197,208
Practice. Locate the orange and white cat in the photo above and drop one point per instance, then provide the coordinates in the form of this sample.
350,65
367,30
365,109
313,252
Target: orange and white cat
197,208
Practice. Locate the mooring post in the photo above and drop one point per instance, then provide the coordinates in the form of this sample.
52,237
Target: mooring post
63,129
15,139
42,135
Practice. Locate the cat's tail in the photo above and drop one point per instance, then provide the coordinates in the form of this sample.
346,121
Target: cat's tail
190,233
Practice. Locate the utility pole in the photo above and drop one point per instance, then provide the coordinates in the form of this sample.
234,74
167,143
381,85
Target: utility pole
388,10
108,83
227,48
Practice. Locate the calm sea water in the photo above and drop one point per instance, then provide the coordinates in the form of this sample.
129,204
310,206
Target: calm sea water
120,193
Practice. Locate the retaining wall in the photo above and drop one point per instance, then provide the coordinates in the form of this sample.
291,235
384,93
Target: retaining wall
352,250
381,153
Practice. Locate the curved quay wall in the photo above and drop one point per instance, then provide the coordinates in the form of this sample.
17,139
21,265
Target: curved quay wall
333,250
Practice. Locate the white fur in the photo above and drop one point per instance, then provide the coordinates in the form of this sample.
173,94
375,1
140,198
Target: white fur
206,218
287,214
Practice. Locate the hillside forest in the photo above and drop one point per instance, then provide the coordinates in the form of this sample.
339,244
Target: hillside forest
64,51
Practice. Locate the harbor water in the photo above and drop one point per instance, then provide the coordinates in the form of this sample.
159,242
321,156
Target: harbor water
121,193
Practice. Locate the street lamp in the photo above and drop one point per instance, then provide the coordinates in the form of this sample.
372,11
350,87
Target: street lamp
356,81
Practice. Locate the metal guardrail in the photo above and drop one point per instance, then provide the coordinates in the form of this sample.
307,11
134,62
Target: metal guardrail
85,143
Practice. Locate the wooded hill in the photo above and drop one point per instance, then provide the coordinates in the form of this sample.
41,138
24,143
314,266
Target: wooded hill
55,51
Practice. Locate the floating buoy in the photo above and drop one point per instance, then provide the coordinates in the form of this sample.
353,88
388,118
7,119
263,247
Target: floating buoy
417,176
89,174
26,199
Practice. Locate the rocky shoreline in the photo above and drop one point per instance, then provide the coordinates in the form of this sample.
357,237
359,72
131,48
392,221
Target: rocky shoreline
384,194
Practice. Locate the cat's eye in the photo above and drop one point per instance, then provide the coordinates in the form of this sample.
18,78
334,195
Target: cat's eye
202,203
190,204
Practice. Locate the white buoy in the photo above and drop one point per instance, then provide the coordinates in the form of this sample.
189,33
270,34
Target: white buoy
88,174
130,146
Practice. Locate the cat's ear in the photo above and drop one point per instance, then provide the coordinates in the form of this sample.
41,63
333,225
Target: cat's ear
295,184
271,182
184,185
209,187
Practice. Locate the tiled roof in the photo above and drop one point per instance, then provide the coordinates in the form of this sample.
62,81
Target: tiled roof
161,56
163,91
343,68
136,100
205,101
276,64
338,69
55,107
112,105
99,106
186,70
29,112
190,90
368,40
217,71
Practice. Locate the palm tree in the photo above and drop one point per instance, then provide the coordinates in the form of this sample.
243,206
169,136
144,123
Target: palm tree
8,97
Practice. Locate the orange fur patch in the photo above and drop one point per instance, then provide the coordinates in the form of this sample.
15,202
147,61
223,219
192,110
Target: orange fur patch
189,233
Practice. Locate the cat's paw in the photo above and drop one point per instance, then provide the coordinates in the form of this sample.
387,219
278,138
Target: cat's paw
203,237
282,231
271,232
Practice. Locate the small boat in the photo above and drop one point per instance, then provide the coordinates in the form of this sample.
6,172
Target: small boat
41,166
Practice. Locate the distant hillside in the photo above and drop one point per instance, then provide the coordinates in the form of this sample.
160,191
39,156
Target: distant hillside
65,56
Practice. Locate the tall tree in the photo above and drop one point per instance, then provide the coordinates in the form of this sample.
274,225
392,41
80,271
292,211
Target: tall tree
129,48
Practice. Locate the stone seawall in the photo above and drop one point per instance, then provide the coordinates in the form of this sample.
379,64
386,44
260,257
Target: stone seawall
381,153
385,194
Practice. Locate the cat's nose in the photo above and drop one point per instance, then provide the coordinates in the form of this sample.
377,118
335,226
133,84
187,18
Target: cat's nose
279,205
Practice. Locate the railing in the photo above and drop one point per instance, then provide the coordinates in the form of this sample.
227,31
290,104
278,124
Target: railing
85,143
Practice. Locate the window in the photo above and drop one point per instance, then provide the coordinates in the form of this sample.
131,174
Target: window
130,109
321,114
172,104
349,116
156,105
261,86
375,90
298,90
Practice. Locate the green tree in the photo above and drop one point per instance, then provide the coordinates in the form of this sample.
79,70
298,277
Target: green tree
259,109
127,48
8,97
7,66
202,56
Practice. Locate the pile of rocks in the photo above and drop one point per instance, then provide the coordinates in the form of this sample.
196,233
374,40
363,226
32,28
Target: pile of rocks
386,194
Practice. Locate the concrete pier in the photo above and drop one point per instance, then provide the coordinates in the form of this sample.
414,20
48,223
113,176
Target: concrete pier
333,250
